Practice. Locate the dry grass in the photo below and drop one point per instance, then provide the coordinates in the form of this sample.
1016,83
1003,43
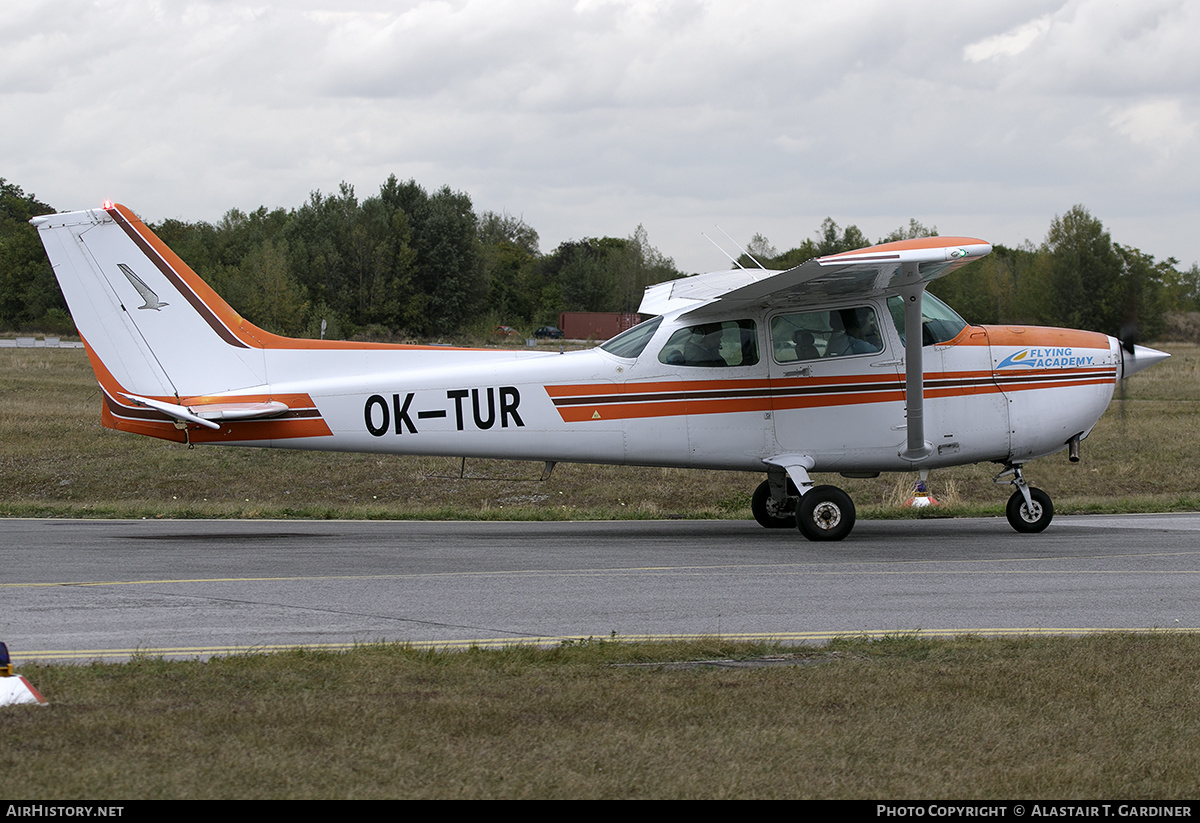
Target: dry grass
1183,326
56,460
1097,717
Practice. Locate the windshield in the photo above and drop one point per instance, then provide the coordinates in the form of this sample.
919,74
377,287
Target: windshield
939,322
630,343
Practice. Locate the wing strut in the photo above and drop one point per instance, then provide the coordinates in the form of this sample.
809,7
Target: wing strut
918,448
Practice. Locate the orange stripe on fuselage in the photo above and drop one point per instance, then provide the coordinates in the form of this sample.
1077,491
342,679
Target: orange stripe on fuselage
245,431
616,401
616,390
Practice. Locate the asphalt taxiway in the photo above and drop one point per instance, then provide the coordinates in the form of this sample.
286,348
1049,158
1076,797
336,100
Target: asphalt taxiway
103,590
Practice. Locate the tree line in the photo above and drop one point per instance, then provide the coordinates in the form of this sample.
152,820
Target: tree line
402,263
409,263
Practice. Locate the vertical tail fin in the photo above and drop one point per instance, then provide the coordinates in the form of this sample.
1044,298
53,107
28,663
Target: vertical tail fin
155,327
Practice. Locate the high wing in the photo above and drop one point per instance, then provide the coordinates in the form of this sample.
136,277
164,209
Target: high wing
888,267
904,267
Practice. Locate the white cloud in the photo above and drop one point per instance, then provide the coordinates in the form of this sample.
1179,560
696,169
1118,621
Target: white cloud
1159,125
1010,43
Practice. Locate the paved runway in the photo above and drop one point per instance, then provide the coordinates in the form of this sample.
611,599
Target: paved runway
95,590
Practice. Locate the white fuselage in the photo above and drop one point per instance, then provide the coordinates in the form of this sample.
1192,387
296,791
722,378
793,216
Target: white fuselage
992,394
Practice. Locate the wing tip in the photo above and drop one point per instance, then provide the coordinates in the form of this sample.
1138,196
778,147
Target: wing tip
919,248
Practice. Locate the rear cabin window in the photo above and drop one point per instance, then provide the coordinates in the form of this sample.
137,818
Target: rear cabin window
816,335
713,345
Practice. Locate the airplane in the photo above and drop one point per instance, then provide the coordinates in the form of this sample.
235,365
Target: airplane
790,373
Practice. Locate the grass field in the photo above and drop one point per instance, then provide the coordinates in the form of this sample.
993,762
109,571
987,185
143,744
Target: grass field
1102,717
56,460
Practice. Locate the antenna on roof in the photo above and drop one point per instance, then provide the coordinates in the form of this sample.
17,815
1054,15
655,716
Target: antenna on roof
748,254
727,254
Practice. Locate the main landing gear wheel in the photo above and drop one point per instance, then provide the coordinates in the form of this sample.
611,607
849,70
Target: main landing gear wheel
767,510
825,513
1024,519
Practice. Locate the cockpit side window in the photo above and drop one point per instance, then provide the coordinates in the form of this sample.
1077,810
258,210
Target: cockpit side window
713,345
820,334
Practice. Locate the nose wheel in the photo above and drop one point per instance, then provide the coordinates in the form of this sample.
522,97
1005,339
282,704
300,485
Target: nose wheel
1029,510
1032,516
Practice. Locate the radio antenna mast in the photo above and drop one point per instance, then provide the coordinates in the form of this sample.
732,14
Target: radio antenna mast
732,259
748,254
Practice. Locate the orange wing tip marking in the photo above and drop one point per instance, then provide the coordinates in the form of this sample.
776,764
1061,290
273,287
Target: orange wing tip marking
921,250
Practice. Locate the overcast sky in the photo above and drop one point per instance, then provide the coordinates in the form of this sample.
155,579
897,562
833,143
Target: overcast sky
985,118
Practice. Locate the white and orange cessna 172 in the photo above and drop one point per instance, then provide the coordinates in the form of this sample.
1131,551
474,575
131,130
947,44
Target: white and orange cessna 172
791,372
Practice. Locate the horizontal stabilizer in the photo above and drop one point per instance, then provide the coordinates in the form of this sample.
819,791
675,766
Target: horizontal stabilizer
239,411
205,413
178,412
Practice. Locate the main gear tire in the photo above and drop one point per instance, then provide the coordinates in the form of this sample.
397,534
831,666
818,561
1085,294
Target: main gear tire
768,512
825,513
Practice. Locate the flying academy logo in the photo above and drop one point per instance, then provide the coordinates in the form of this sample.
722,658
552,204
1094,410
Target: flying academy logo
1047,358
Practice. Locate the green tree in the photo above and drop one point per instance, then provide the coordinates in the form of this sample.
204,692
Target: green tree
1083,274
829,239
760,249
641,265
586,273
915,229
1182,288
1141,294
274,299
508,253
496,228
1000,288
606,273
195,243
830,242
448,273
29,294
